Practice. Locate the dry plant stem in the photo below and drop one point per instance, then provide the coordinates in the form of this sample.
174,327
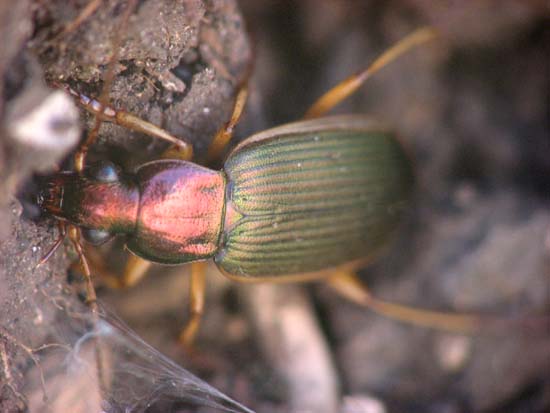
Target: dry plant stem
294,345
6,337
8,377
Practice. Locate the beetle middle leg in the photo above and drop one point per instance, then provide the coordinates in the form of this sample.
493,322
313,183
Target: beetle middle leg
223,136
196,304
136,268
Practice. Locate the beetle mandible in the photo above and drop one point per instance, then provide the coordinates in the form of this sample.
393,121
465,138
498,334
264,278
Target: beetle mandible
317,198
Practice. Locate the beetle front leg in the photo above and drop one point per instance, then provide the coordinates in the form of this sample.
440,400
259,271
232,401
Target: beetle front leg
134,271
196,304
91,297
109,114
60,238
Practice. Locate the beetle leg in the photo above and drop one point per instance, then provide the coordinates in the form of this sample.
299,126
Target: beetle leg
91,297
223,136
350,85
348,285
106,113
55,246
135,269
196,304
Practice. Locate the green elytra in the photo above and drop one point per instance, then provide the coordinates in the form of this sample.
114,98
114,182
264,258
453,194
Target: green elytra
313,195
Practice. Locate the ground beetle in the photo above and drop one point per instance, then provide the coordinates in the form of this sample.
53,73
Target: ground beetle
315,198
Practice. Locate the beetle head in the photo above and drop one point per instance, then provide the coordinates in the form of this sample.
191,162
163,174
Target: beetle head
99,199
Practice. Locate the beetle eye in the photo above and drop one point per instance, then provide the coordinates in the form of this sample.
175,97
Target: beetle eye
96,236
104,171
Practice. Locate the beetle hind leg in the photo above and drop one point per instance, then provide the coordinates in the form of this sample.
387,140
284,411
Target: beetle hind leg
350,85
350,286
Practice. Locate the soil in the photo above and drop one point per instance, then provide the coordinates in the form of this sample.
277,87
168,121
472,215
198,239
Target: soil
470,108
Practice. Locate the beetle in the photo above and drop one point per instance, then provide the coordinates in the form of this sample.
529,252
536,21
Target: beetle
317,198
